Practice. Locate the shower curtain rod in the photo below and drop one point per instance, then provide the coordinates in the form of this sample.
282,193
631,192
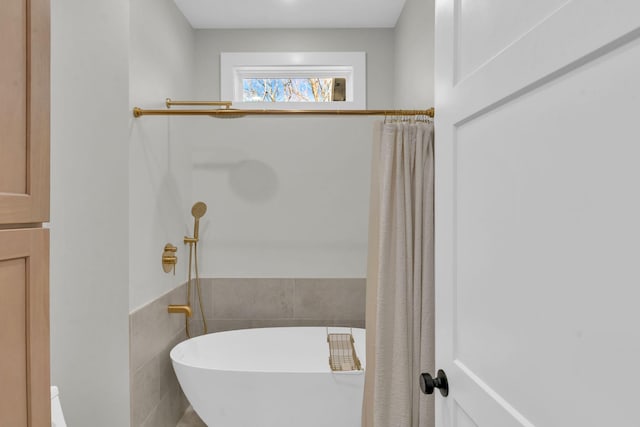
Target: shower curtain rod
227,111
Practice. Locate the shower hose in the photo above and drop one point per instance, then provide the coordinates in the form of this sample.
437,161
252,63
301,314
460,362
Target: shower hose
193,256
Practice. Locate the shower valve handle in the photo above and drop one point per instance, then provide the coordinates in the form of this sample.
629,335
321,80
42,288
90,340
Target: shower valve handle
169,258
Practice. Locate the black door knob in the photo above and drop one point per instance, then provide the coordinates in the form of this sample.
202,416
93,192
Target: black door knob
428,384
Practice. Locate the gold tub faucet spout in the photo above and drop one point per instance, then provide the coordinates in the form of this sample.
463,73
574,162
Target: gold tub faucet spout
186,309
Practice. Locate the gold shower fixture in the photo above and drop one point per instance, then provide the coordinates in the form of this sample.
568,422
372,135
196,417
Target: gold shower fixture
180,309
198,210
169,258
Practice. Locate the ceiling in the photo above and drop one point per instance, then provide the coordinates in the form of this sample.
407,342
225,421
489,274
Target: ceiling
291,13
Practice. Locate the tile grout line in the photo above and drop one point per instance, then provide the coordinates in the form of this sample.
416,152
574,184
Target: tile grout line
293,302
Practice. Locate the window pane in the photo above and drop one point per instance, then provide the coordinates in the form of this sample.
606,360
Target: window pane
287,90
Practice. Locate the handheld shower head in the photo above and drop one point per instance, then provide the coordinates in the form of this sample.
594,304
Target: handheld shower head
198,210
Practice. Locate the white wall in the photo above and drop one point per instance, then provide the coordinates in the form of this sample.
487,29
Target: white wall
162,65
414,37
287,196
89,210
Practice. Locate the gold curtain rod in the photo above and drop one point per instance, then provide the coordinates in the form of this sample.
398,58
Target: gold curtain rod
230,112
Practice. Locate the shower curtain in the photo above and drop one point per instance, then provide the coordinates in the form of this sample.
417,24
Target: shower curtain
400,279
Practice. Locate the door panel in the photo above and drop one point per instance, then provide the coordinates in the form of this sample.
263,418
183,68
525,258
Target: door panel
575,34
536,217
24,335
510,21
24,111
13,356
462,419
13,87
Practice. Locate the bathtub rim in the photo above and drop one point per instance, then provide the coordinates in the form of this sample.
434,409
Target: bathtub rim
361,353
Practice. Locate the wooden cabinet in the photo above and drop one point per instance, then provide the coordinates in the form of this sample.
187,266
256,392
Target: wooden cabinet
24,328
24,206
24,111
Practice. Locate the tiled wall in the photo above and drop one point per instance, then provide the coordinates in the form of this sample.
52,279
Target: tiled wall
156,398
260,303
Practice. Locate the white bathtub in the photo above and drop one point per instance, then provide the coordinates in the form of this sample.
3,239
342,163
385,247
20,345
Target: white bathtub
271,377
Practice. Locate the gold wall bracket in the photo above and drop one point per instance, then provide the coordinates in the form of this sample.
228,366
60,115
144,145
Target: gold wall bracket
169,258
190,240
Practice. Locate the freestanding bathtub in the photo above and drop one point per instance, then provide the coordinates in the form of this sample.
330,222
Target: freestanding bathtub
271,377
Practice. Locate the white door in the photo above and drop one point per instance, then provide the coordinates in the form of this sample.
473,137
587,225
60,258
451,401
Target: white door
538,212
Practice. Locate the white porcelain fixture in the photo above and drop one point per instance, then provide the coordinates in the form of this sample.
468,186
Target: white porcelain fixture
271,377
57,417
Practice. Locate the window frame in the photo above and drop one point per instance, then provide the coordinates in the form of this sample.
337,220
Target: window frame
236,66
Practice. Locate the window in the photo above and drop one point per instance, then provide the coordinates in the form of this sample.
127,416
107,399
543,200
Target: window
287,89
294,80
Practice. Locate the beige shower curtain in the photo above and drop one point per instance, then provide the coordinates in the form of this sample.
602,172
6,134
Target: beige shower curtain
400,281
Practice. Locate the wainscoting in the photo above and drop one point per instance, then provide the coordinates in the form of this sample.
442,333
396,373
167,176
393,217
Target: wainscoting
229,304
156,397
261,303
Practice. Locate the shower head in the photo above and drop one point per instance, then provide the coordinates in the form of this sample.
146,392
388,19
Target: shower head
198,210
